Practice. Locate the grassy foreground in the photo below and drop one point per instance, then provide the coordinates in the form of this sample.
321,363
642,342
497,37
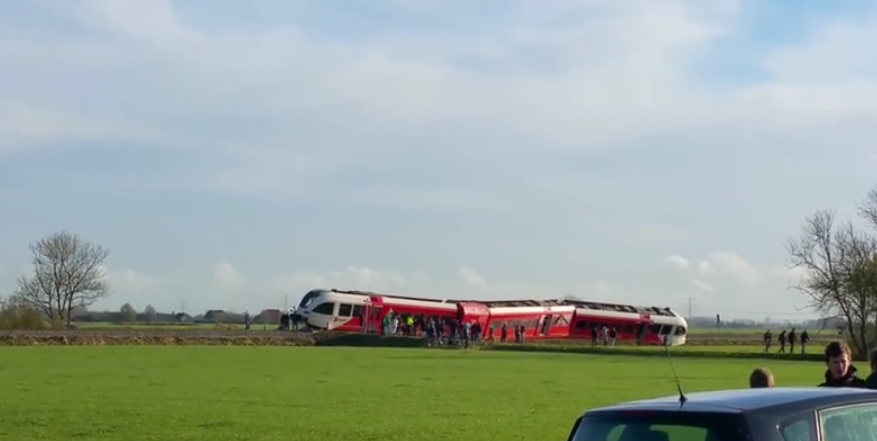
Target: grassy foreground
322,393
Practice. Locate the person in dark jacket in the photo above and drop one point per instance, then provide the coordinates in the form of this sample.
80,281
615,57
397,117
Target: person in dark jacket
871,381
841,372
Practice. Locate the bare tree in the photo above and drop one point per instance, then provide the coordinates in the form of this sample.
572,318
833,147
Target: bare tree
67,274
868,208
839,264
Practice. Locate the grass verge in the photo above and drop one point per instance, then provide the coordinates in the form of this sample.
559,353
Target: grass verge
322,393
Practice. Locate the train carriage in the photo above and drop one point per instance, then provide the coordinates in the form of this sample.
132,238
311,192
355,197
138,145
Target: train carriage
647,325
364,311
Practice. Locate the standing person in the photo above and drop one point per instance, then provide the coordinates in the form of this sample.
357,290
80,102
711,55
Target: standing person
840,372
768,338
761,377
613,334
805,339
503,333
783,342
793,338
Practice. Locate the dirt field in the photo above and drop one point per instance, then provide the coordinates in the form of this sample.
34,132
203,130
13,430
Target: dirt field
155,337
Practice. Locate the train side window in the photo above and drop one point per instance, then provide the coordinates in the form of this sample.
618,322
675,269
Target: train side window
654,329
582,325
665,330
627,329
327,308
358,310
344,310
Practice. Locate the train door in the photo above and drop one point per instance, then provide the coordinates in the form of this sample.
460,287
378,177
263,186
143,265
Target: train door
546,325
358,319
374,322
343,317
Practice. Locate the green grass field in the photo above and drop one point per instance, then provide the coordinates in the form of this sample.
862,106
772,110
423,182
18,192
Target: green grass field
281,393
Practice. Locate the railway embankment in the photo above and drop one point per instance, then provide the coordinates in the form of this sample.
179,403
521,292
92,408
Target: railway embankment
159,337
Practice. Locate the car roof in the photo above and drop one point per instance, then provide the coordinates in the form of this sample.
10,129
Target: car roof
744,400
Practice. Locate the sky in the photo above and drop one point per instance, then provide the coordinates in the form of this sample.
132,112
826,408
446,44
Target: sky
233,153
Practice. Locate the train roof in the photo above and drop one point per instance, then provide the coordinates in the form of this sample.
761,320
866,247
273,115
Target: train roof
615,307
516,303
386,296
656,319
511,303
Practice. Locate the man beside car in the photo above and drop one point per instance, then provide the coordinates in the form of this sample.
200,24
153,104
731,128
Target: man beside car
840,372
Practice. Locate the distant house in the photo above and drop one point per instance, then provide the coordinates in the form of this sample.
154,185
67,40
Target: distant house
182,317
268,316
213,315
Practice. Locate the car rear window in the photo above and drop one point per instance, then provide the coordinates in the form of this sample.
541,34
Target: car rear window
660,426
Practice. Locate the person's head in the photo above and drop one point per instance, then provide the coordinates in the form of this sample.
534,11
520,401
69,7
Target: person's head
838,357
873,358
761,377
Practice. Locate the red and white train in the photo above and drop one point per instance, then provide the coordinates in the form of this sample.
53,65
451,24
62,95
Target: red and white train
357,311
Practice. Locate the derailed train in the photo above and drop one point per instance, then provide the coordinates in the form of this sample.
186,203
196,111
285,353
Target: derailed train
364,311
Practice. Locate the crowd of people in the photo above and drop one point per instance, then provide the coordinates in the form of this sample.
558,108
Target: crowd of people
791,338
840,370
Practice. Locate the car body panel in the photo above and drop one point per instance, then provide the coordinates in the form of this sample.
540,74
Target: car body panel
764,412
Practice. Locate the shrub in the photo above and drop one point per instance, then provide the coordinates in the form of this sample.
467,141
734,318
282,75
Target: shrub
14,315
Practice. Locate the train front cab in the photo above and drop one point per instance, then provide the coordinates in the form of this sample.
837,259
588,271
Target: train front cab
335,311
658,329
679,333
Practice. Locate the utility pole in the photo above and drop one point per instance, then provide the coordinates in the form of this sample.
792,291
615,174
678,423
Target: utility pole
690,307
285,302
183,307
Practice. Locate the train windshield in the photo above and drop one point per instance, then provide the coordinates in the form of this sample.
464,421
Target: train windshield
308,299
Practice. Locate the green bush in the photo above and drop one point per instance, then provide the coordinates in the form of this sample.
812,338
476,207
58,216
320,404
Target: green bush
17,316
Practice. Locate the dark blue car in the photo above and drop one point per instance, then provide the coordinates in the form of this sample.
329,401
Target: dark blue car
780,414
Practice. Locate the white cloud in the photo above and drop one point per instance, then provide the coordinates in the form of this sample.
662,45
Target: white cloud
468,284
130,281
730,264
722,263
226,277
573,97
613,74
470,277
730,284
701,285
352,277
677,261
